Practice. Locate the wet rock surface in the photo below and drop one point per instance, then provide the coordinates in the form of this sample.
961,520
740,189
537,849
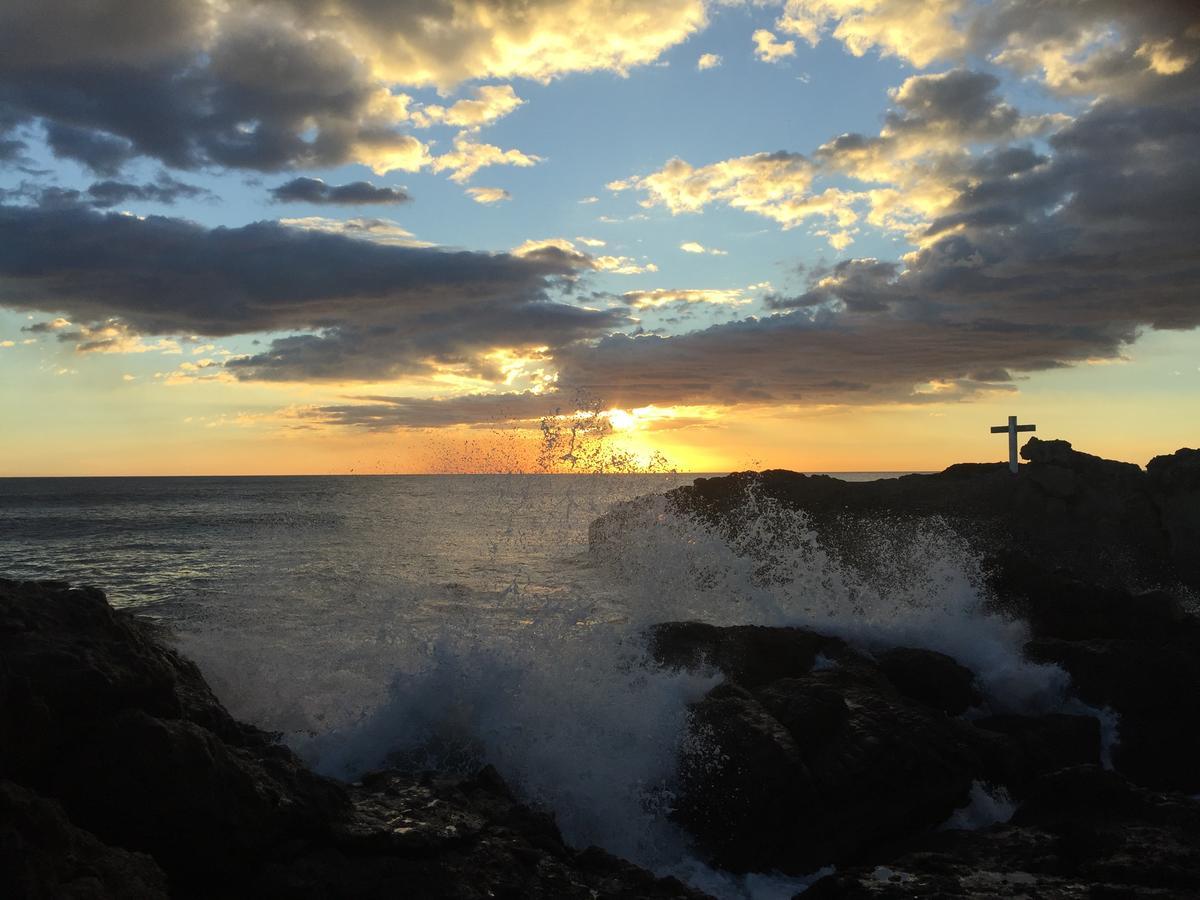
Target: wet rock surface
122,776
822,754
1083,832
812,752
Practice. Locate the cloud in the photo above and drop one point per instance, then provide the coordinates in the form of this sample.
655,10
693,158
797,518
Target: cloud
1034,260
488,195
919,31
469,156
355,309
293,83
590,200
491,102
1117,49
387,413
909,171
665,297
695,247
103,154
708,61
776,185
565,251
768,49
106,194
165,190
356,193
115,337
47,327
11,151
591,242
379,231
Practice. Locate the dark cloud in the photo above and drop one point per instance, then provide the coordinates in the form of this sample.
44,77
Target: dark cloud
386,413
960,100
1132,60
287,84
11,151
106,194
369,311
165,190
103,154
858,284
356,193
264,94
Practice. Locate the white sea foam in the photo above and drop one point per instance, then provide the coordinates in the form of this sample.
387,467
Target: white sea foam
922,586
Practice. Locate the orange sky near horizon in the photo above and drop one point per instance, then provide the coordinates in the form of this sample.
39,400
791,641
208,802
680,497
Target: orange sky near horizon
1117,411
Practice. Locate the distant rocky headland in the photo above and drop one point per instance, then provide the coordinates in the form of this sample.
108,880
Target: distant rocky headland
1067,512
121,775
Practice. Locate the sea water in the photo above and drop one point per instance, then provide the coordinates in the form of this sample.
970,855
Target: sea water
451,621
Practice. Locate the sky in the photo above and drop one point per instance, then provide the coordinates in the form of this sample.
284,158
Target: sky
377,236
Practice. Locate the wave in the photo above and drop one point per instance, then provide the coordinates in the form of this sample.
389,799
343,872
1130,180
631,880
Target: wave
554,686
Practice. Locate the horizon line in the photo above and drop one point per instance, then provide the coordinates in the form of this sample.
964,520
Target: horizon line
696,472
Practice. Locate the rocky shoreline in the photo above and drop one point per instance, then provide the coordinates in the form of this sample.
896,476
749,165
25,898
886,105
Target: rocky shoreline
121,775
867,758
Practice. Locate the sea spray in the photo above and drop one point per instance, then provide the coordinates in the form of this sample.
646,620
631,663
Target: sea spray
544,673
766,564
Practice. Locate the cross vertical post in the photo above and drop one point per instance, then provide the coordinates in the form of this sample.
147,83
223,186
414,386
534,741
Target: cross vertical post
1012,428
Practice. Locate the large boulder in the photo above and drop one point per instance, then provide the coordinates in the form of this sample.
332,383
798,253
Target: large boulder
1039,744
1154,686
929,677
1175,483
812,753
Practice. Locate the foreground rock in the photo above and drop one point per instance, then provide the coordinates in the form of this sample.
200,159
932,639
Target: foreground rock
811,752
122,776
1083,832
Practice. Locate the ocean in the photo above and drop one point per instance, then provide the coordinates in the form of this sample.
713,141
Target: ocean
448,621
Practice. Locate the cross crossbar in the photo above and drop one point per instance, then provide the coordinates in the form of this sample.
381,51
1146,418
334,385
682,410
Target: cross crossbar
1011,430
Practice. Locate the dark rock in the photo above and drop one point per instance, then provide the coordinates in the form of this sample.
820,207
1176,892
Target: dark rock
815,767
743,782
1101,520
118,749
749,654
932,678
450,837
101,716
43,856
1038,745
1058,606
1154,686
1175,483
1083,832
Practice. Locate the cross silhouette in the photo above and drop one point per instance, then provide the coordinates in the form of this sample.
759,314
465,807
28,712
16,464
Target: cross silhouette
1012,428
